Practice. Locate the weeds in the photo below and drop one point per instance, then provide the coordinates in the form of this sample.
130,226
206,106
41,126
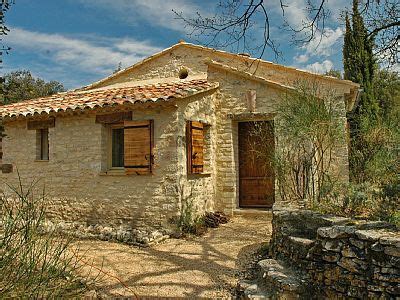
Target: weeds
190,223
32,263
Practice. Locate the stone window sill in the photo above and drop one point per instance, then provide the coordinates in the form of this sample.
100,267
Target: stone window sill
113,173
199,175
120,173
41,160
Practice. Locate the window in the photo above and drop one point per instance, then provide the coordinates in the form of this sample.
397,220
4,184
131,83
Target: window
42,144
131,147
41,126
117,148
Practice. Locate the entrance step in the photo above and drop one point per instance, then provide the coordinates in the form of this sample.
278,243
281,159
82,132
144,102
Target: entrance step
252,212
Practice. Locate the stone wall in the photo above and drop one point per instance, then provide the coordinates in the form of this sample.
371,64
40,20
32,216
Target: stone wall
78,189
339,257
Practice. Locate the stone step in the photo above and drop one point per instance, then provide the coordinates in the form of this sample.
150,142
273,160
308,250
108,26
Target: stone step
278,279
251,290
249,212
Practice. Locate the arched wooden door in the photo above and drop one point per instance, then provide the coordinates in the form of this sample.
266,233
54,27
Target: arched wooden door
256,174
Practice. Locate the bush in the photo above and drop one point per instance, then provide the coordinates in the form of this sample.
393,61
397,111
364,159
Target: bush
365,200
33,263
189,222
310,129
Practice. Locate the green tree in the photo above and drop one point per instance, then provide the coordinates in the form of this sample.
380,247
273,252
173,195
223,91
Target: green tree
21,85
359,65
334,73
387,93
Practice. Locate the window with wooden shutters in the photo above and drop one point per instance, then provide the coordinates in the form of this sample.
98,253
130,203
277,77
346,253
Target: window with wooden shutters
138,147
195,147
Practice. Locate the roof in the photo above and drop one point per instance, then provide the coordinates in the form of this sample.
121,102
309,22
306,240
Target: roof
259,61
105,97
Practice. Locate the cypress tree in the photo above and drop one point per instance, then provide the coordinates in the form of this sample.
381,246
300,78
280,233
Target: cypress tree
359,66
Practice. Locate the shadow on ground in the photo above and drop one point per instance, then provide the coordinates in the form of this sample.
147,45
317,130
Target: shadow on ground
207,266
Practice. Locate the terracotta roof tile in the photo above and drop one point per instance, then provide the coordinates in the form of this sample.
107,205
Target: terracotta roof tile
77,100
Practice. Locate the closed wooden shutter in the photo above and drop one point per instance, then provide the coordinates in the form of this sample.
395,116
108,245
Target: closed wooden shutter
138,147
195,146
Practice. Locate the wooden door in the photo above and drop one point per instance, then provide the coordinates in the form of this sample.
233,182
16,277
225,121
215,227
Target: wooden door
256,174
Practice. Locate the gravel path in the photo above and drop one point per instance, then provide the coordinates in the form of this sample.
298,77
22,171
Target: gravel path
207,266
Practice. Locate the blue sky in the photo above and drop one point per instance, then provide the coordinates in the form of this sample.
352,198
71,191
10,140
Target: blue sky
77,42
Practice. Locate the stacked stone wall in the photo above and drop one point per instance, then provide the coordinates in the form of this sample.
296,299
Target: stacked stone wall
339,257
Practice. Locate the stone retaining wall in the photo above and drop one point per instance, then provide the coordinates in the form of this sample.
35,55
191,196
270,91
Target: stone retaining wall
340,257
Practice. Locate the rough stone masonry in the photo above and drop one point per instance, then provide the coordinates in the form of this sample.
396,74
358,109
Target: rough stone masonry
339,257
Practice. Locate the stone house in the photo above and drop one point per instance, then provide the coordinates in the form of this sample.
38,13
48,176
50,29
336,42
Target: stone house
130,149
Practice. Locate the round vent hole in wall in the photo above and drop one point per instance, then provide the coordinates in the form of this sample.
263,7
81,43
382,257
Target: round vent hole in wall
183,73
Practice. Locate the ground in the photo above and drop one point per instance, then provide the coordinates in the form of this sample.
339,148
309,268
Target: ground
207,266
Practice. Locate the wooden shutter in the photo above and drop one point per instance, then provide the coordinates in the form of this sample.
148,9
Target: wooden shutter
195,146
138,147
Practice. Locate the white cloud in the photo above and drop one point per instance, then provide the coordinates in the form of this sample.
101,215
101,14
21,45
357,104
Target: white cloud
154,12
301,59
320,68
97,55
324,44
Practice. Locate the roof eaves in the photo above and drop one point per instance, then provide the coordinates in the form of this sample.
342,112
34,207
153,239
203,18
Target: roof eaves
32,112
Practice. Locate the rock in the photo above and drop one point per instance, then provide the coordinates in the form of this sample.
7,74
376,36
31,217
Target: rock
377,247
369,235
359,244
393,251
333,246
349,265
348,252
390,271
376,225
335,232
332,257
391,241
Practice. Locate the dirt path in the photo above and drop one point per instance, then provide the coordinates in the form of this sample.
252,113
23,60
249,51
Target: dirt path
207,266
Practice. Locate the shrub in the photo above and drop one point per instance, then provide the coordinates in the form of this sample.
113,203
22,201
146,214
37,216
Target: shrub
365,200
189,222
33,263
310,129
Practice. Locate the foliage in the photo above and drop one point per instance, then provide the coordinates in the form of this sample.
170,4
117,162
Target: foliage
4,7
311,128
189,221
33,263
387,92
334,73
359,66
366,200
21,85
